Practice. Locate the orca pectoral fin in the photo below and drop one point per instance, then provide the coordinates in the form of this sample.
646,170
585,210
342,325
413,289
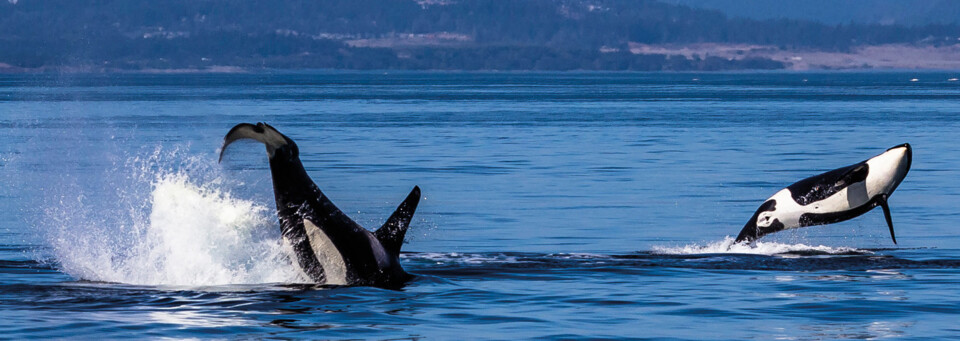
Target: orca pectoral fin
392,232
882,201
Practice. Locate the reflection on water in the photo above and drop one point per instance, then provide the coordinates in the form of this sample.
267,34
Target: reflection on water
867,331
186,318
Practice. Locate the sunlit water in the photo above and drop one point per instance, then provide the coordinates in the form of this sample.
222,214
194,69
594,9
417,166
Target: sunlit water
557,205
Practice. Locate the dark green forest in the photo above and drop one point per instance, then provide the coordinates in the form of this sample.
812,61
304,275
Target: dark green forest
487,34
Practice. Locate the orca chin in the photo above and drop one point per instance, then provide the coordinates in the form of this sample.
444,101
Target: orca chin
330,248
835,196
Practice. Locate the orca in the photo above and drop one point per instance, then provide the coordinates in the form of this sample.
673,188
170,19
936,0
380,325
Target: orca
329,247
835,196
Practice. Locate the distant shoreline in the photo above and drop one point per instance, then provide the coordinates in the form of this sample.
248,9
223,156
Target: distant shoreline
863,60
222,36
239,71
891,57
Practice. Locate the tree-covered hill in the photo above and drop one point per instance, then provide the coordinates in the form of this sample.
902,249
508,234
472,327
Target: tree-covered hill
404,34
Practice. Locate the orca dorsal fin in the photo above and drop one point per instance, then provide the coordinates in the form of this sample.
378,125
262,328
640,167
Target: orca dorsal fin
855,175
392,232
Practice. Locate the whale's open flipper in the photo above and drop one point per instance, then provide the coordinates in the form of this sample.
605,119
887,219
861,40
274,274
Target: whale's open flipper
882,201
392,232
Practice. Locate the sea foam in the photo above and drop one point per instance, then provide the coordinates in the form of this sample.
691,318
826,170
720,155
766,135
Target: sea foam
727,245
188,230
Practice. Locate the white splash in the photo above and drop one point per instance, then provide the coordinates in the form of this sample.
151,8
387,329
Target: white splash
181,234
727,245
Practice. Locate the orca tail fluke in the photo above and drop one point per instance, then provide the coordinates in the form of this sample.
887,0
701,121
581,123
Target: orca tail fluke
886,214
392,232
261,132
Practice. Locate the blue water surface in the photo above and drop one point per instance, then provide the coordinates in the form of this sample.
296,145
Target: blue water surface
555,205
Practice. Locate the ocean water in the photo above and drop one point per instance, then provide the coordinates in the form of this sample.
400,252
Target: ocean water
555,205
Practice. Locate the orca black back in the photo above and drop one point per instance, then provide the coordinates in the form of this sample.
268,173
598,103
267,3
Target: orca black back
329,247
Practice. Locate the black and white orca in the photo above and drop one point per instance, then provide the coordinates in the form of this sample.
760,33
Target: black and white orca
838,195
330,247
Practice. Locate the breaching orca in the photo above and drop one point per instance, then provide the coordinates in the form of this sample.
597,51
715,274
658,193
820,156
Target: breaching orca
330,247
834,196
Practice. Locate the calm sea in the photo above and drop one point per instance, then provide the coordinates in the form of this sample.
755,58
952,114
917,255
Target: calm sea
555,205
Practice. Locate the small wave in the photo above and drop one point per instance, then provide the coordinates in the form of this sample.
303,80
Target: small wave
464,258
688,259
728,245
503,258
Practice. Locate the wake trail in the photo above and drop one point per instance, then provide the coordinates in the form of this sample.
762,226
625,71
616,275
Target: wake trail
728,245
